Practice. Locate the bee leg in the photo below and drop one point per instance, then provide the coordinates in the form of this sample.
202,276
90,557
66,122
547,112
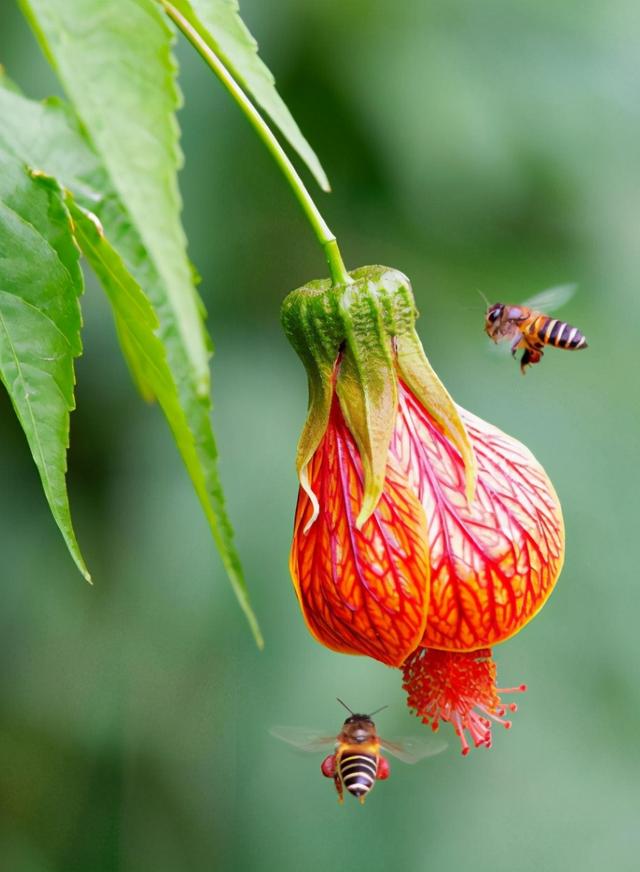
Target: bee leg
515,345
383,769
329,769
328,766
529,357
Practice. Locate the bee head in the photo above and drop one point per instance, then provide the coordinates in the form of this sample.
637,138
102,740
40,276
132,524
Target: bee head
495,312
359,727
365,720
493,317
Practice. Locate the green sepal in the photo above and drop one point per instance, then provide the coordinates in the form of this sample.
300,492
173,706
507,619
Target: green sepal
369,399
368,327
322,320
366,380
311,322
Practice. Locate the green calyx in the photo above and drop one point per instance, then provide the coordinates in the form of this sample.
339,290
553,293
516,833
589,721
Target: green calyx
355,340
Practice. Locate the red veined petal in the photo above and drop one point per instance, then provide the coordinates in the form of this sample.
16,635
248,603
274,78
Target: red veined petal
361,591
493,562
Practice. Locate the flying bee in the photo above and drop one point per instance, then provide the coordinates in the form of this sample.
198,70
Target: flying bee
530,329
356,762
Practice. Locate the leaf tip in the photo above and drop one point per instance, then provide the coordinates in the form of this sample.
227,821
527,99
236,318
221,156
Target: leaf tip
255,629
369,503
325,184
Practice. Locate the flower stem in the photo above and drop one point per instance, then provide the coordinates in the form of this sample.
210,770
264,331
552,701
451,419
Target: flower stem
326,238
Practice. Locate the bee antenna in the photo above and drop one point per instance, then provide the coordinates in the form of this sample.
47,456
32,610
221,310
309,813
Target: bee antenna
483,297
382,708
345,705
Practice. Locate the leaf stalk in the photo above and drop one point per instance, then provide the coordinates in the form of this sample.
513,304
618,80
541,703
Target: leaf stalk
325,237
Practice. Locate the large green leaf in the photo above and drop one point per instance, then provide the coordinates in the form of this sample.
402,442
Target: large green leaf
136,323
114,59
40,282
47,135
219,23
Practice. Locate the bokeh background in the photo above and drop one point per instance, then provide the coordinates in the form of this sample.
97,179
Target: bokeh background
491,146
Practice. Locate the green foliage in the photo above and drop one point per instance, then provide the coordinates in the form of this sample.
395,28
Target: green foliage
136,324
111,189
40,283
218,22
481,145
114,60
65,152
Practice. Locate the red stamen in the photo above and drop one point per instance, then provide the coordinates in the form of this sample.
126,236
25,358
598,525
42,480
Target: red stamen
459,688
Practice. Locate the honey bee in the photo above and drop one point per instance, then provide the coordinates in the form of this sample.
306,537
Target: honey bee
530,329
356,762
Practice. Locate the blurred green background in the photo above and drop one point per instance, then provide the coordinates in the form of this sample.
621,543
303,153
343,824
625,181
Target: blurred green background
491,146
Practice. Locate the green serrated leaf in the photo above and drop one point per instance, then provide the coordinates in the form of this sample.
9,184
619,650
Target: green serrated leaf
136,322
218,22
115,62
40,283
47,135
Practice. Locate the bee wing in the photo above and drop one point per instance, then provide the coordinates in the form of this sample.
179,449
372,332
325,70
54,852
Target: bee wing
549,300
303,738
411,749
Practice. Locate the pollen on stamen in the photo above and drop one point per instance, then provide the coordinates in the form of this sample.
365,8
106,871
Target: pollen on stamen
459,688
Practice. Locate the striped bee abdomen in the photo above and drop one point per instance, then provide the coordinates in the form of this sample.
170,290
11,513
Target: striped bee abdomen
358,772
550,331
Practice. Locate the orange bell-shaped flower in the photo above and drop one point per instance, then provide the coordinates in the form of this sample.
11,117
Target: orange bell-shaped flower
423,535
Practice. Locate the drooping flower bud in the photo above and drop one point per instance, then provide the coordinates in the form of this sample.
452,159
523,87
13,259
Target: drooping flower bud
369,325
418,525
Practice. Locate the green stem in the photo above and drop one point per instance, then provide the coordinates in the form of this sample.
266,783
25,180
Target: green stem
326,238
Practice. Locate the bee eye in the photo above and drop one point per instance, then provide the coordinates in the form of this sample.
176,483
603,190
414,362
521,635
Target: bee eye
494,315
